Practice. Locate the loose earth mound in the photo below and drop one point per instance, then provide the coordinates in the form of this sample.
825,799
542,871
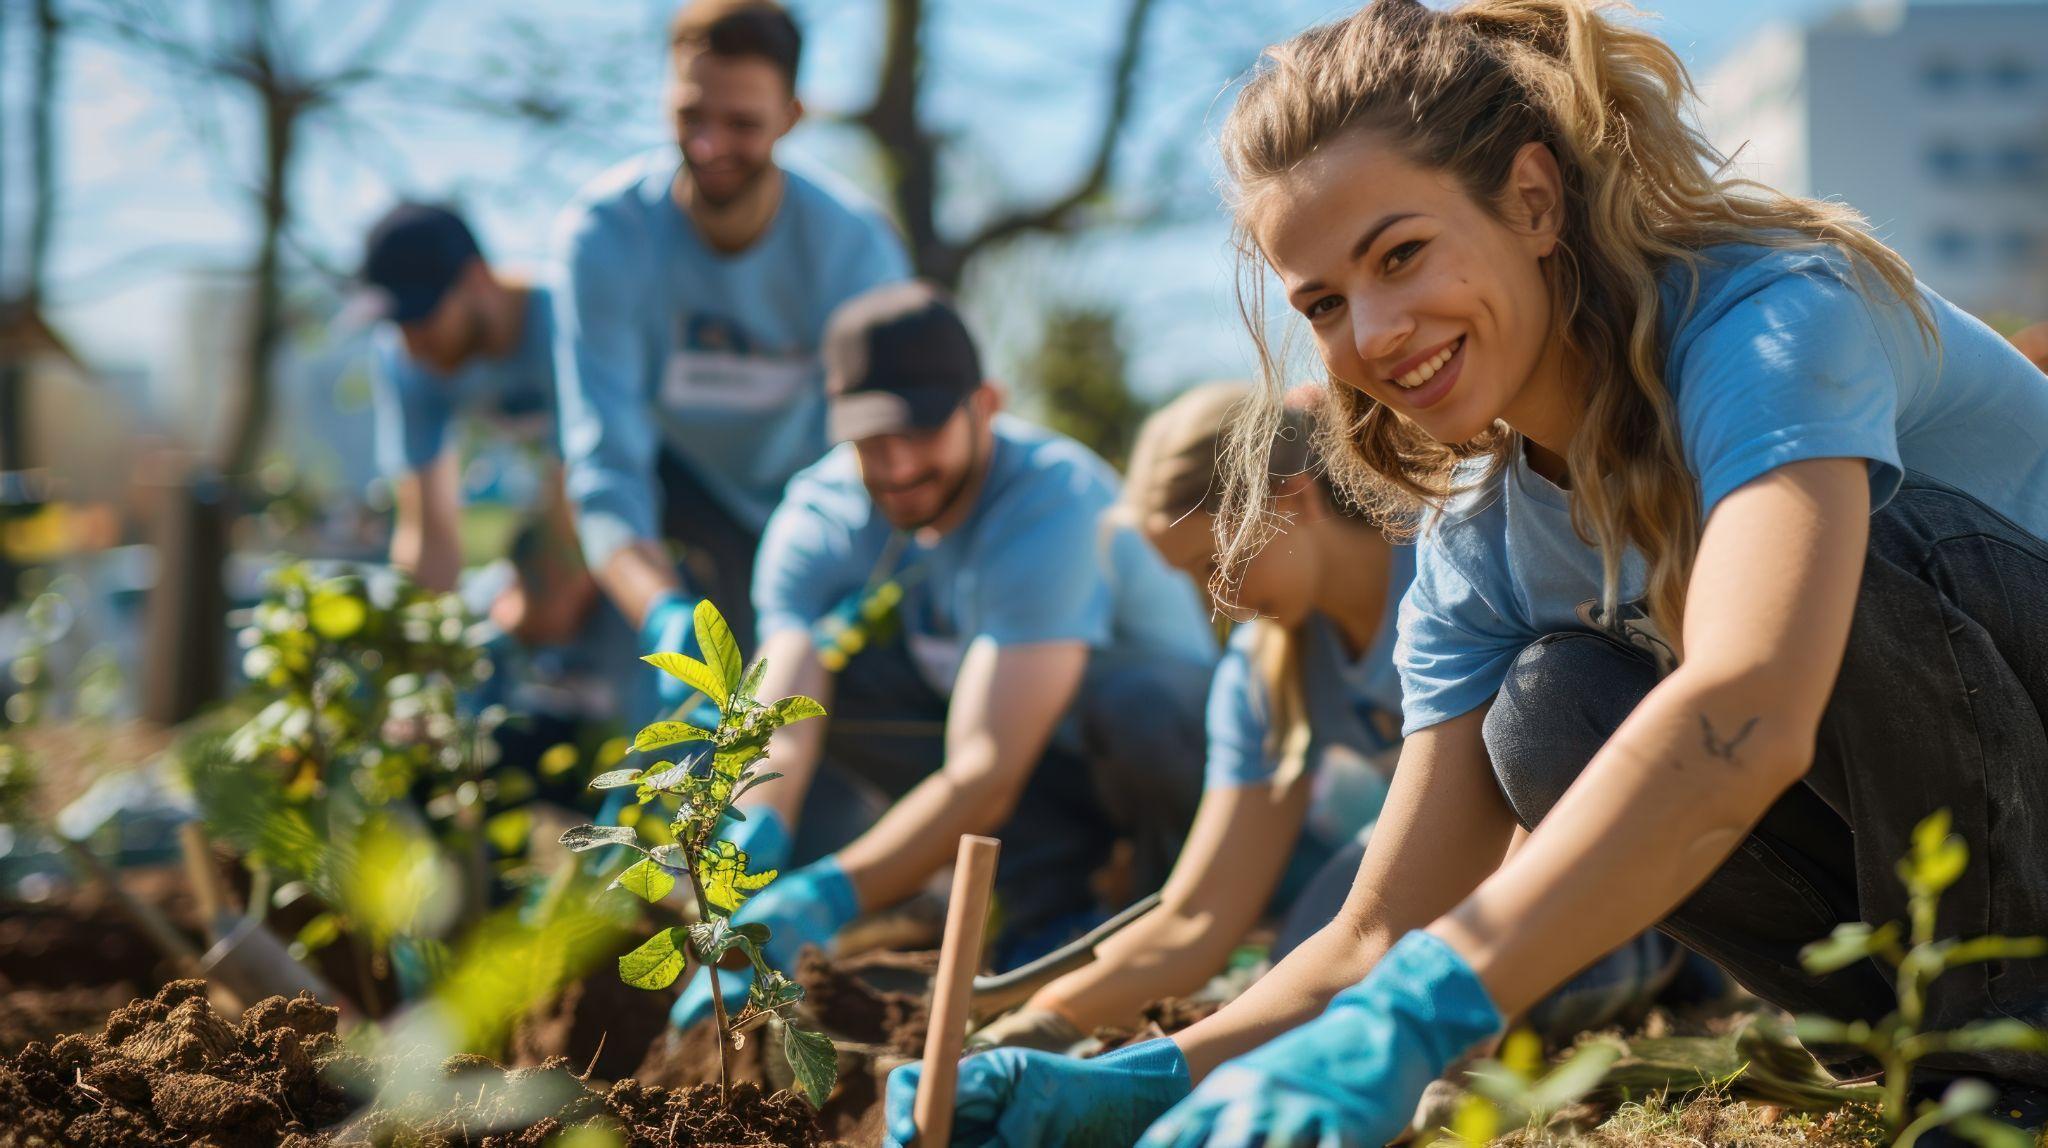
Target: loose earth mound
170,1070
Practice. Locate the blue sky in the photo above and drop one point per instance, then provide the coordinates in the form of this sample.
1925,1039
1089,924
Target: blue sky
146,200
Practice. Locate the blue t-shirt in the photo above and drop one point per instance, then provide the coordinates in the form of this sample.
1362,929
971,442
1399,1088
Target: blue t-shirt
1349,702
1779,359
1032,562
414,404
664,341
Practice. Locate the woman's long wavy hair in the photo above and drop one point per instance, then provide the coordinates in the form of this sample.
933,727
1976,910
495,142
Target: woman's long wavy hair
1462,91
1177,465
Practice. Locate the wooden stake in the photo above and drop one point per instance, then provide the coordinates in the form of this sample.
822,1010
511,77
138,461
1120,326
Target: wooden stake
204,877
974,876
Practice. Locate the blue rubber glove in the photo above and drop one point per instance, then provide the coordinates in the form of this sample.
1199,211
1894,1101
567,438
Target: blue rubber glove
807,907
1021,1097
762,837
1353,1075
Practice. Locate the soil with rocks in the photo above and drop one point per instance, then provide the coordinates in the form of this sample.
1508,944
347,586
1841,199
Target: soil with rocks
170,1070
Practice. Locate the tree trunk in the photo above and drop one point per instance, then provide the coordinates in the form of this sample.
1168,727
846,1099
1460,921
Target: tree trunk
249,410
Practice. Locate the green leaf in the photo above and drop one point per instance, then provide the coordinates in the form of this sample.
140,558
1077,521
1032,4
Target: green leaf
1826,1030
755,780
587,837
692,673
1994,949
663,733
1569,1082
645,880
771,990
616,779
796,709
712,939
752,682
814,1061
1991,1132
2007,1035
558,760
754,931
1937,859
318,933
722,871
508,831
721,650
1850,942
337,616
655,964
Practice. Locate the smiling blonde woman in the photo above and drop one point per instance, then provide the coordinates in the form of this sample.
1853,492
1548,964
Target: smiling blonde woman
1730,571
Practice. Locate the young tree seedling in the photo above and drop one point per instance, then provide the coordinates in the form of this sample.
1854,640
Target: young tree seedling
705,783
1935,862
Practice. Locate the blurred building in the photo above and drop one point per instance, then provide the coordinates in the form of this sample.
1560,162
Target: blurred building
1931,119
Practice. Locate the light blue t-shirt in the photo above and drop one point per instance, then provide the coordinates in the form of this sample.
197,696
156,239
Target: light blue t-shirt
1033,561
1350,704
1780,359
414,405
663,340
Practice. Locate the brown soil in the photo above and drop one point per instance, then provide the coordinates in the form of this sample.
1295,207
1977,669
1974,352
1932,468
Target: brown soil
28,1014
852,1114
1162,1017
85,940
170,1070
843,998
599,1023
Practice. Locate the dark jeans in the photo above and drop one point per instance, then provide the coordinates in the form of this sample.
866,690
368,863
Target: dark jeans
1615,989
1137,774
1940,703
714,550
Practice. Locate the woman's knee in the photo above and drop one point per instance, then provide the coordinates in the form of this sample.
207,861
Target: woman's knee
1563,697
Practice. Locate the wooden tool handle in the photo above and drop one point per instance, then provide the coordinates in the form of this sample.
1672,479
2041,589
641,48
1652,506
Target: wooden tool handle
205,878
974,877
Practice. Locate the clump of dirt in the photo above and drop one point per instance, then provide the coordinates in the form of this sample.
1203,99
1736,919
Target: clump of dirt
170,1070
1162,1017
689,1060
844,999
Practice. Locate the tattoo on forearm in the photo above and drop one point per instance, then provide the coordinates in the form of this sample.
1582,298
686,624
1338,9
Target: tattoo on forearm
1724,748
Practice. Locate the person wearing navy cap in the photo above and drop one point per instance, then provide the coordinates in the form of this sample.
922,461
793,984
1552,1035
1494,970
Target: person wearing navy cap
1058,663
460,339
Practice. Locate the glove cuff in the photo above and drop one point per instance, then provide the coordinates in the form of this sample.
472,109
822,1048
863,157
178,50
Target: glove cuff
1426,979
656,620
1158,1062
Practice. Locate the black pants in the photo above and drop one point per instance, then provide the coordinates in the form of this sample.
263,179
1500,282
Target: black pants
1940,703
1129,767
715,550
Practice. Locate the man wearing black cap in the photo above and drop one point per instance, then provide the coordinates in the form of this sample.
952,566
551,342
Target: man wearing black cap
457,340
460,339
1062,669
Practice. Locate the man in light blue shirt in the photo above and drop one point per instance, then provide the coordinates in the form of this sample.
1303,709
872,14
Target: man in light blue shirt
1061,669
694,284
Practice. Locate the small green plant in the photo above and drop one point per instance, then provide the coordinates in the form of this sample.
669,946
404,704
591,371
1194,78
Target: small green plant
704,784
1512,1090
1936,861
